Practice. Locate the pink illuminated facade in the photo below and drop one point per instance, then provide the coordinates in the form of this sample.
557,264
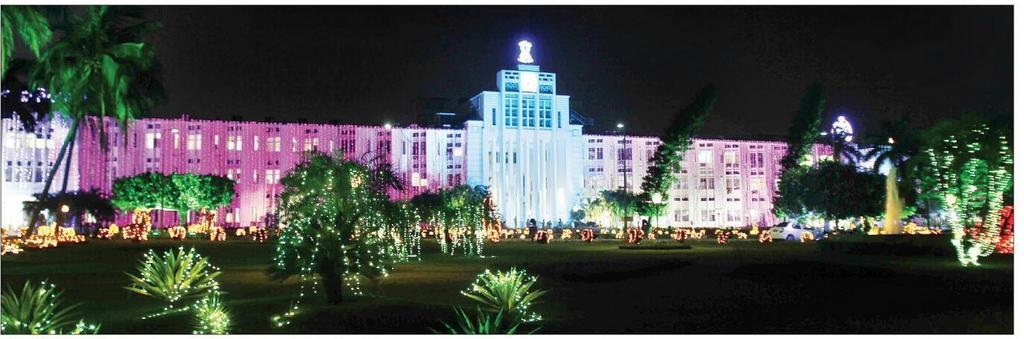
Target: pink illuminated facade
724,182
523,145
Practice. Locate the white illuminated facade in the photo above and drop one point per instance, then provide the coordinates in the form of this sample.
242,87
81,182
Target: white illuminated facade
524,147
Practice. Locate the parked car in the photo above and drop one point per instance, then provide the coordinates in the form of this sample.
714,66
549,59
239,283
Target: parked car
791,230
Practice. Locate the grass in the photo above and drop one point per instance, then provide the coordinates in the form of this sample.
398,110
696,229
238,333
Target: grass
741,287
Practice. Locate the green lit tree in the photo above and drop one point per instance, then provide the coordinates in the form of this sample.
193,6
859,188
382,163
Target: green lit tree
972,165
458,215
674,143
98,68
198,192
27,23
144,191
334,225
183,193
621,204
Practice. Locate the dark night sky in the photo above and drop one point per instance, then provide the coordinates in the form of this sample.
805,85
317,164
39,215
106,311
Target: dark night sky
634,64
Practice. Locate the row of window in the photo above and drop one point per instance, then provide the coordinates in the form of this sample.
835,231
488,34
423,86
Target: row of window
535,113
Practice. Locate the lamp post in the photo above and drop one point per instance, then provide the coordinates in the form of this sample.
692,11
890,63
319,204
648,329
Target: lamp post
622,157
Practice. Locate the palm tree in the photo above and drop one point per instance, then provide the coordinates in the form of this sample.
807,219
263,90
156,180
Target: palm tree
898,144
78,202
30,25
100,69
844,151
895,143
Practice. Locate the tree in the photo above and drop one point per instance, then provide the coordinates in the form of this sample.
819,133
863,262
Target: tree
27,23
458,215
98,68
972,165
78,202
674,143
897,144
144,191
183,193
197,192
831,190
804,128
333,225
622,204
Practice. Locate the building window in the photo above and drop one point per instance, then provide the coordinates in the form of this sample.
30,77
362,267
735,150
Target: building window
756,160
706,184
757,185
707,216
529,111
195,142
704,157
273,144
682,215
151,139
234,143
545,112
255,143
732,215
273,176
511,110
732,185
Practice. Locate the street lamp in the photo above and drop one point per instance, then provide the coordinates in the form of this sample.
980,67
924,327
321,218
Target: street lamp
387,126
622,157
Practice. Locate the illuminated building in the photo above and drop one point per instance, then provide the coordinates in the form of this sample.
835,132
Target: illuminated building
522,144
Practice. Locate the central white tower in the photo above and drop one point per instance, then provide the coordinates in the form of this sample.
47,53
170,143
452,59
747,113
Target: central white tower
523,147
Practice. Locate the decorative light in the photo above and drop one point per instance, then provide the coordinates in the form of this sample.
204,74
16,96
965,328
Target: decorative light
973,184
524,52
587,234
217,233
722,236
543,236
635,236
566,234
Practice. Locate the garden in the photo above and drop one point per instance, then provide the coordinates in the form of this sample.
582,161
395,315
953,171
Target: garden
740,287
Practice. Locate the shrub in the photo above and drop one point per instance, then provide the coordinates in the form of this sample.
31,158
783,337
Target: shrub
508,292
210,315
173,277
38,310
484,323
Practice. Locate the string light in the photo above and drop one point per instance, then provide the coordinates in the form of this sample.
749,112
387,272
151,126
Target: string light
973,183
543,236
635,236
587,234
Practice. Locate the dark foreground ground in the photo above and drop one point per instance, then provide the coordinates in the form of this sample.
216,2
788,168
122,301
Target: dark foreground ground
742,287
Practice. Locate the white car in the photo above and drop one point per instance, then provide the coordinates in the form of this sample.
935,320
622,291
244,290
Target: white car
790,230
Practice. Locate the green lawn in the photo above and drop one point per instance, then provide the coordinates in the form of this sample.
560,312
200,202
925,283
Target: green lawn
742,287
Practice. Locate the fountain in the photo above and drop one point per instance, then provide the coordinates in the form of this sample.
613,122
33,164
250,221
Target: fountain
893,205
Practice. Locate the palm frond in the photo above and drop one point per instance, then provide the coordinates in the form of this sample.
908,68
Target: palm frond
174,276
38,309
507,292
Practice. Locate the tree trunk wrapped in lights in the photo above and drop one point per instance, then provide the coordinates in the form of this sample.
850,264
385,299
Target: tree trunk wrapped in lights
972,165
